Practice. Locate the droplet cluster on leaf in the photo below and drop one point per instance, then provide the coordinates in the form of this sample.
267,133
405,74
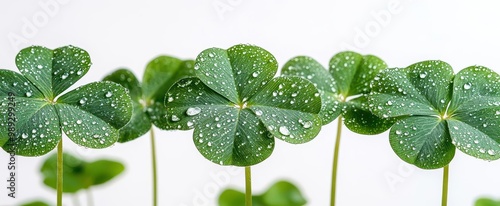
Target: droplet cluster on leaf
89,115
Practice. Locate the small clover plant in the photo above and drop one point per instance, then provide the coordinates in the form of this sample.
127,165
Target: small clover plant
439,112
148,99
236,107
80,174
90,115
343,89
280,193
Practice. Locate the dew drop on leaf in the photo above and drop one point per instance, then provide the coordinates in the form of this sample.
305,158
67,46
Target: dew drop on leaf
398,132
284,131
28,94
24,135
79,121
192,111
258,112
189,124
64,76
175,118
423,75
467,86
491,152
39,66
255,74
109,94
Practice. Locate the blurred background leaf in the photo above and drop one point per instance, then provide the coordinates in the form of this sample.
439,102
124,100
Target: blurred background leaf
281,193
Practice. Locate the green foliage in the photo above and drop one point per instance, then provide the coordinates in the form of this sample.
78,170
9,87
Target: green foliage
282,193
148,98
349,76
35,203
439,111
89,115
79,174
486,202
236,107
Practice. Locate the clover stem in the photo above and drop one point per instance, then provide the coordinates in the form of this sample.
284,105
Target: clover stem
153,161
90,199
59,172
248,186
444,196
335,160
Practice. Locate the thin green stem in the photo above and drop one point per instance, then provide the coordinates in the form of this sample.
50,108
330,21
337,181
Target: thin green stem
248,186
336,160
59,172
153,161
444,196
90,199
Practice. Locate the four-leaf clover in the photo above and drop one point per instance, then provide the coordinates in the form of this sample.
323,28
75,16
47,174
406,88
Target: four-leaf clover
343,88
236,107
89,115
439,111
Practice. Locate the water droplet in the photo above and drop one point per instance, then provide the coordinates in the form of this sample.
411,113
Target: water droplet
189,124
491,152
255,74
83,101
64,76
211,54
170,99
192,111
108,94
24,135
389,103
482,150
294,94
209,144
423,75
307,124
258,112
455,127
79,72
28,94
284,131
175,118
467,86
398,132
485,125
497,112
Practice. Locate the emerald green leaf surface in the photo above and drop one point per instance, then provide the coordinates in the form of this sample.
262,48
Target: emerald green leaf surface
235,105
79,174
446,110
148,98
53,71
281,193
44,75
486,202
422,141
348,77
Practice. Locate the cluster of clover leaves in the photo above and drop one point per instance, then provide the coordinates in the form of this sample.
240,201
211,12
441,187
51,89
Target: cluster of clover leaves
237,105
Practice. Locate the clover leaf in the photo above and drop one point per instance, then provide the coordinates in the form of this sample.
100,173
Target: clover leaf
148,99
79,174
486,202
280,193
343,88
236,107
439,111
89,115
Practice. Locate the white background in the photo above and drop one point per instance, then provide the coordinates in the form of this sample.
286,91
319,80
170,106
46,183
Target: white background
130,33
